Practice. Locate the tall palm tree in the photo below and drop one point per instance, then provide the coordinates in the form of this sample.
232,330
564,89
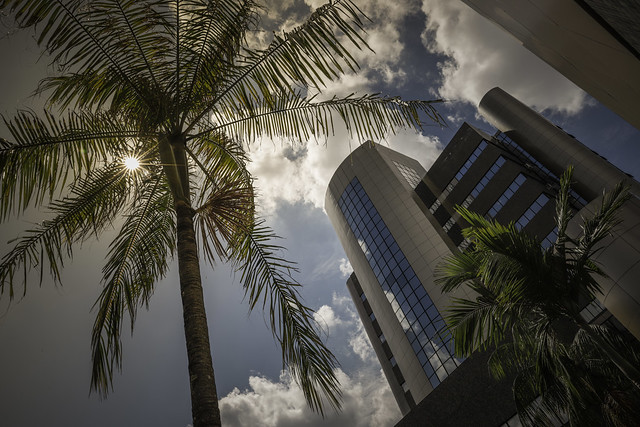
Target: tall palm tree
175,85
528,308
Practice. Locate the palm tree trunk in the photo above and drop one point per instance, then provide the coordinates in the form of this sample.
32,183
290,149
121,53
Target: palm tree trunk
204,399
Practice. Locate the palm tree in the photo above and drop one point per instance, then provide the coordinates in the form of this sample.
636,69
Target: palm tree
528,310
175,86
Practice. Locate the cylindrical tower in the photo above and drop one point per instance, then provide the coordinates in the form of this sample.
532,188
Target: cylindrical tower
552,146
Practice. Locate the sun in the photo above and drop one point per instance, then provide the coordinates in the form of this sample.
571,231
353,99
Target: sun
131,163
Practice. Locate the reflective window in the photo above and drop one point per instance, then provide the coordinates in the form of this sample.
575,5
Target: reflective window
506,195
592,310
532,211
409,174
550,239
447,226
513,147
483,181
423,326
461,172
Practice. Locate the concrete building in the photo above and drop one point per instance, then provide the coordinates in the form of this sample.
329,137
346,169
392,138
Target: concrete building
594,43
396,222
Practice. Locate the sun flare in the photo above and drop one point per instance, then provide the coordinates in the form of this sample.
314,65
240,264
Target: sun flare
131,163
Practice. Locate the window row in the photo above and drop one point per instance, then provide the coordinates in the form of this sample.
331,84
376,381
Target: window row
531,212
509,143
495,167
458,176
409,174
506,195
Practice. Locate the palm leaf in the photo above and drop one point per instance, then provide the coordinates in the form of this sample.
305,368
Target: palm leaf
97,36
91,206
308,56
267,280
138,257
368,117
49,152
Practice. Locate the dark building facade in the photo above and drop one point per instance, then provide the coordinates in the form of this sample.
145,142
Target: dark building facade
397,221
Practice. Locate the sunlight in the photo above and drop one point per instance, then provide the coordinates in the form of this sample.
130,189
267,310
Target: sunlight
131,163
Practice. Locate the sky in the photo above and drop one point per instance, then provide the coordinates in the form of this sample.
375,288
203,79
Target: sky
424,49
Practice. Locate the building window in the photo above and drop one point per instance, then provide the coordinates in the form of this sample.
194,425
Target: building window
447,226
506,195
495,167
461,172
409,174
592,310
422,323
551,238
532,211
532,163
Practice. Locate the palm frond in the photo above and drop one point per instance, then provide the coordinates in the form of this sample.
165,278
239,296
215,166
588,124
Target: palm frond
49,152
603,221
267,281
564,213
309,55
474,324
137,258
211,34
293,116
93,203
458,270
98,36
229,207
218,158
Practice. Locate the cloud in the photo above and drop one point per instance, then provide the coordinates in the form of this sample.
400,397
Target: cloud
300,172
326,317
367,401
480,56
345,267
367,398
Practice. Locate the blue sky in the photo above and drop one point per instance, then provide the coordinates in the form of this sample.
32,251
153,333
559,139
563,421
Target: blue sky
423,49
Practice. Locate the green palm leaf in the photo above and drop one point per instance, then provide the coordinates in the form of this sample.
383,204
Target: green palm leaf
90,207
138,257
267,281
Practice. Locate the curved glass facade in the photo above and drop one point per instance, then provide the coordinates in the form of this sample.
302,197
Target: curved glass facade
422,323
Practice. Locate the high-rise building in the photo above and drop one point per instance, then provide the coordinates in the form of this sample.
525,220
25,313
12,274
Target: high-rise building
594,43
396,222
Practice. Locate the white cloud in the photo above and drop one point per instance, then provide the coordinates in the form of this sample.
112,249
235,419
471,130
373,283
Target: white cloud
326,317
367,398
345,267
482,56
300,173
367,401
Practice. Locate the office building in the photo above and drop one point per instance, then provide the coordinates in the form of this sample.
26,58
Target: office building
594,43
397,221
